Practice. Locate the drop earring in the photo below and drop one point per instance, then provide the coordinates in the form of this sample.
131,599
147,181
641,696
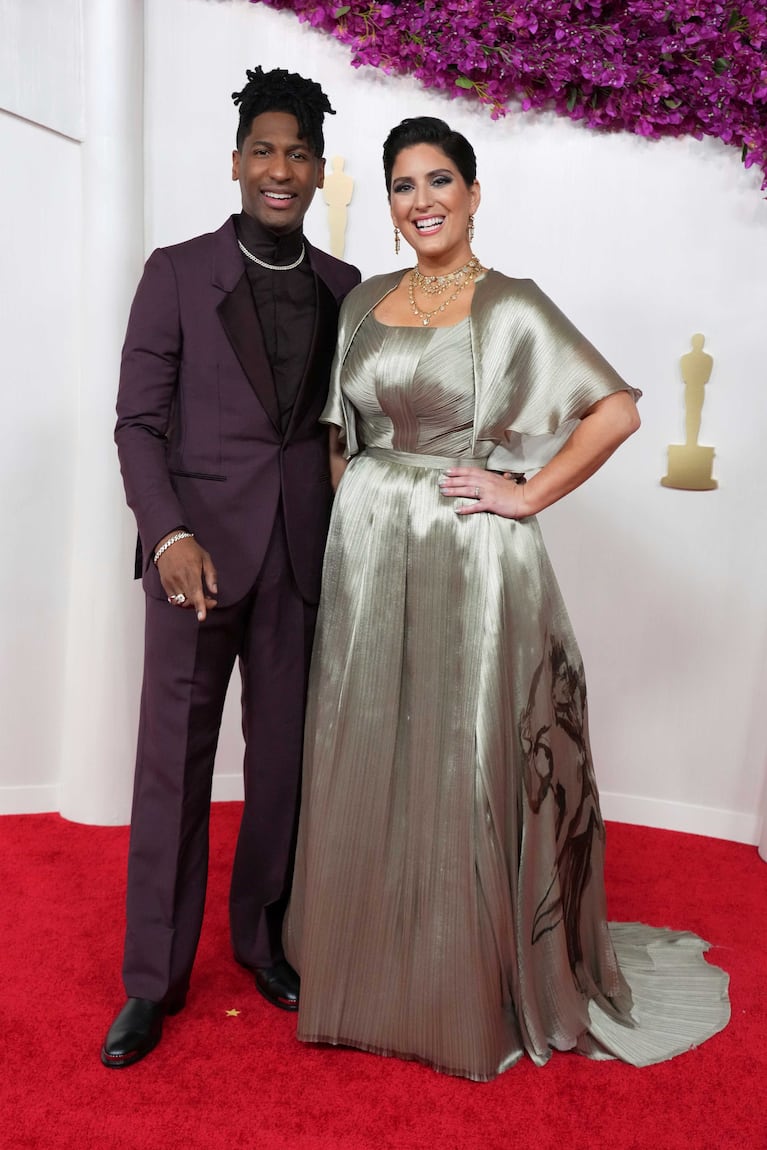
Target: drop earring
396,240
470,229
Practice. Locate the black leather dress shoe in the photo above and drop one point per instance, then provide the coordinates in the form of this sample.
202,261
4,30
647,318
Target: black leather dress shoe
135,1032
279,984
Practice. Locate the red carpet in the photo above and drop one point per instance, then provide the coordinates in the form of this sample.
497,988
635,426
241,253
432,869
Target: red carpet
243,1082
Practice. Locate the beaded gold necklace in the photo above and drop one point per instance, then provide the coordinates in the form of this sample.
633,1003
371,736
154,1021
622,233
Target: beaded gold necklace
438,285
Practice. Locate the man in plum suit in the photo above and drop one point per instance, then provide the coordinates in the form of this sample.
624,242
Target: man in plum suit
224,375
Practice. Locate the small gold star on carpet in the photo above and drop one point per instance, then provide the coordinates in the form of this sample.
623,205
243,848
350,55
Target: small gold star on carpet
232,1013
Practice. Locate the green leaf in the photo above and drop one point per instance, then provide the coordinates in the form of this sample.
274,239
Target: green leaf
339,12
572,99
464,82
734,21
672,104
721,65
744,152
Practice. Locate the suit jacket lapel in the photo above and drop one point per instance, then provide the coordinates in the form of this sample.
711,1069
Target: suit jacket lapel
321,351
239,319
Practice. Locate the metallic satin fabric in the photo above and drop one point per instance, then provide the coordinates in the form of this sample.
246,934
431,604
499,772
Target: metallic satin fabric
448,902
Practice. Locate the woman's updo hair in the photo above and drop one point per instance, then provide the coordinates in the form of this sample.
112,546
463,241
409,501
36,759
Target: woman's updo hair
429,130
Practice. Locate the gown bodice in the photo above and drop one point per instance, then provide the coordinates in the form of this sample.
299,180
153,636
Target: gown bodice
412,388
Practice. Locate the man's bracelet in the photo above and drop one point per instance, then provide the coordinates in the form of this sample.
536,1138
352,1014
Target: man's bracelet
170,541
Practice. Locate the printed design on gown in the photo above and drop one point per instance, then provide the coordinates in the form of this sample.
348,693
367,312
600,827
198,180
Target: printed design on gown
557,766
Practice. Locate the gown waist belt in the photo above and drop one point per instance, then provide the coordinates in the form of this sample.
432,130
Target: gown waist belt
416,460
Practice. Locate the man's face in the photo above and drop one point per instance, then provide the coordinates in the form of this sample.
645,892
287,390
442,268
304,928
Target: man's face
277,172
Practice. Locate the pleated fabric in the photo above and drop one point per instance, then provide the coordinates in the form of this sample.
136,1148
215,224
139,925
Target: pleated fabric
448,902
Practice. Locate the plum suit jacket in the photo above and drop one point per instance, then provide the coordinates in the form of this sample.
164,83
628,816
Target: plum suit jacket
198,429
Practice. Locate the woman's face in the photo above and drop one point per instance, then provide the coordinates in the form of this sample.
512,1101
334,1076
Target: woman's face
431,204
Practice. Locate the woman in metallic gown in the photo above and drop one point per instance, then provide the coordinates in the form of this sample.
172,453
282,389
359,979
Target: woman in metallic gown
449,900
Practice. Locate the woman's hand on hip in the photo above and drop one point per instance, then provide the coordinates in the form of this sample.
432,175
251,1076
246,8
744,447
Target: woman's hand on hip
487,490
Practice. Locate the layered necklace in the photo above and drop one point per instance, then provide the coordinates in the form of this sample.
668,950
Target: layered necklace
453,282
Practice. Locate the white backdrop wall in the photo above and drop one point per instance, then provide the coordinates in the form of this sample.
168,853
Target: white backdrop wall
642,245
41,63
39,349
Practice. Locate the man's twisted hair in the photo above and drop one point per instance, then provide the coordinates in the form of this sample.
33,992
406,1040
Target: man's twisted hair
282,91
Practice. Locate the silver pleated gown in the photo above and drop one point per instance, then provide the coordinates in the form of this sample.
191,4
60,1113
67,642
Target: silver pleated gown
449,903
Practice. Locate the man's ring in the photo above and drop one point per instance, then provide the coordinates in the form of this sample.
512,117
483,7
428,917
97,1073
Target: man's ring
179,599
477,493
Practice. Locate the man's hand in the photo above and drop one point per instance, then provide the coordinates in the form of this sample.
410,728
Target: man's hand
186,569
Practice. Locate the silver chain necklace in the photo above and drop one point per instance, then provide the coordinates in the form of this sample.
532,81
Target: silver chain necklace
271,267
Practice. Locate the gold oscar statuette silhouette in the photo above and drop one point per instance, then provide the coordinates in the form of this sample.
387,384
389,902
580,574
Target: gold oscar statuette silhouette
337,191
689,464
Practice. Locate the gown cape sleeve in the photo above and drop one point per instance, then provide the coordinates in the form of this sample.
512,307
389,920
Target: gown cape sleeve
535,374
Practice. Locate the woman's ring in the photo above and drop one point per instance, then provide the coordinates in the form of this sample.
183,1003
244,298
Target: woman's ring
477,493
179,599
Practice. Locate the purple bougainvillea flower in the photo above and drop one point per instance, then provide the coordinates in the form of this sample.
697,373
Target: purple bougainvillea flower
652,67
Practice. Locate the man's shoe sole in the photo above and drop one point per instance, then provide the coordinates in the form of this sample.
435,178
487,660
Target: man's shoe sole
291,1007
119,1061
